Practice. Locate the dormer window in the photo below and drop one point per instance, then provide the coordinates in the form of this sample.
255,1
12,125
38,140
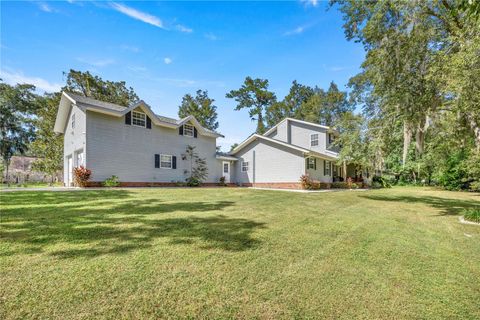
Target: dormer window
139,119
331,138
188,130
314,139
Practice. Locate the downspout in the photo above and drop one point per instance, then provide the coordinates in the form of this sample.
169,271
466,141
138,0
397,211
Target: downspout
253,177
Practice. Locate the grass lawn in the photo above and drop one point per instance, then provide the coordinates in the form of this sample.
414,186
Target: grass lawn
238,253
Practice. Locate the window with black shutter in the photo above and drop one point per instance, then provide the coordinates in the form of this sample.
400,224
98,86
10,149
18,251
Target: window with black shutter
128,118
180,130
157,161
149,123
174,162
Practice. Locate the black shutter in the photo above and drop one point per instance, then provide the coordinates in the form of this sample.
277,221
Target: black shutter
149,123
174,162
180,130
128,118
194,132
324,167
157,161
314,164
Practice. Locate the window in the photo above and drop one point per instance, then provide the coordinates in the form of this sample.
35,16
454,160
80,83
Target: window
331,138
188,130
73,121
225,168
165,161
314,139
139,119
327,170
311,163
244,166
80,158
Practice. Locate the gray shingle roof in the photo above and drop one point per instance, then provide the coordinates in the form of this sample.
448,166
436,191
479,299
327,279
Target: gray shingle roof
95,102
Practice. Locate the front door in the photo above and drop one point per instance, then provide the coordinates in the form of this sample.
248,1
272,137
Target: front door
226,171
69,171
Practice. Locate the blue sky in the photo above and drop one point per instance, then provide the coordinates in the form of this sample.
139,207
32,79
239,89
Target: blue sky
167,49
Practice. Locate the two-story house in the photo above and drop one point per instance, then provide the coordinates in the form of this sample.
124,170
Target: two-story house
133,143
145,149
285,152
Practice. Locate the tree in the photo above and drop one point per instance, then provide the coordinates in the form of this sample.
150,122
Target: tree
88,85
290,106
198,167
233,146
254,95
201,107
17,105
47,146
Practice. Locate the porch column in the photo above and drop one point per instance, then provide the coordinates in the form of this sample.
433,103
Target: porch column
344,170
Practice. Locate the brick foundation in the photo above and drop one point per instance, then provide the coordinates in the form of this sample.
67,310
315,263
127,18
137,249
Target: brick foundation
274,185
97,184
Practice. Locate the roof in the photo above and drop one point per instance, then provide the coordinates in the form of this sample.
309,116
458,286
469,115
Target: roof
225,156
299,121
87,103
306,152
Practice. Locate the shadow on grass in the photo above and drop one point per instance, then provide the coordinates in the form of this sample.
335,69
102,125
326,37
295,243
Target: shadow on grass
445,205
113,226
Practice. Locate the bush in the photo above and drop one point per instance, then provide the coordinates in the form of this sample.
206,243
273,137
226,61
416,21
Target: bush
472,215
475,186
380,182
309,184
339,185
111,182
221,181
193,182
81,176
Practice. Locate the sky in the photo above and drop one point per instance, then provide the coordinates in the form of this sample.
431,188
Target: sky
165,50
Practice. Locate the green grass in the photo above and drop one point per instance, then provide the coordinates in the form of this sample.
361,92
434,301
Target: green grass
238,253
472,215
30,185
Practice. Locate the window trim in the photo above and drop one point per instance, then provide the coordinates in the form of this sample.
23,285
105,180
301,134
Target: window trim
184,130
327,168
317,139
171,161
245,166
227,166
144,119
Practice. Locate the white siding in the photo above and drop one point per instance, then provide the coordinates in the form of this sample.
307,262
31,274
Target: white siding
127,151
74,138
269,162
318,173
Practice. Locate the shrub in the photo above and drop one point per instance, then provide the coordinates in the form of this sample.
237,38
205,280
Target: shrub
339,185
193,182
380,182
221,181
309,184
354,186
111,182
475,186
472,215
81,176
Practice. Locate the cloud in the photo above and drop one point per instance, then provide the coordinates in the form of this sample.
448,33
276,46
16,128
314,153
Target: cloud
138,69
45,7
139,15
182,28
130,48
210,36
189,83
297,30
13,78
97,63
312,3
336,69
167,60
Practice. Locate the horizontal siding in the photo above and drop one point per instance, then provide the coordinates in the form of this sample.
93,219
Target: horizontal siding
74,139
272,163
127,151
318,173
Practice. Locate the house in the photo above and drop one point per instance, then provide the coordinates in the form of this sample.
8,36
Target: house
145,149
290,149
133,143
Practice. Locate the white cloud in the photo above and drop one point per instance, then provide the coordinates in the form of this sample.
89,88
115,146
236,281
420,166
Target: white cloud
13,78
336,69
297,30
189,83
167,60
182,28
45,7
97,63
130,48
210,36
312,3
139,15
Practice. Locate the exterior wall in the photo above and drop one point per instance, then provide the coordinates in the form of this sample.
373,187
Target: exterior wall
318,173
301,136
280,133
74,138
127,151
269,163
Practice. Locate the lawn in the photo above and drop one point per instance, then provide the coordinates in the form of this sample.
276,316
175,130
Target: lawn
238,253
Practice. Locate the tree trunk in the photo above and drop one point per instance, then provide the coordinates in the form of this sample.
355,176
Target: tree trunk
344,170
260,124
407,138
475,128
420,136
